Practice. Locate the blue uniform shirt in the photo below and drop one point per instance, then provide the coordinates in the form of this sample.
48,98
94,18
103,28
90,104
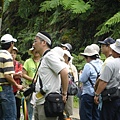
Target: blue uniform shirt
89,72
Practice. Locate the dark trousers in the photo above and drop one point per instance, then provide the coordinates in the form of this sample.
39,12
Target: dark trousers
18,104
88,109
110,110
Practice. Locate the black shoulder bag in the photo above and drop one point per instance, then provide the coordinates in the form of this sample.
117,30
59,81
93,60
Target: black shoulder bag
31,88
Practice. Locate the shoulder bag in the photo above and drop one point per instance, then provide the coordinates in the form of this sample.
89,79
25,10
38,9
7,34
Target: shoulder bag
72,86
110,94
54,105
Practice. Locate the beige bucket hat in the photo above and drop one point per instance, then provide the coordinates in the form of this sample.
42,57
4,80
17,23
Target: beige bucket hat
89,51
116,46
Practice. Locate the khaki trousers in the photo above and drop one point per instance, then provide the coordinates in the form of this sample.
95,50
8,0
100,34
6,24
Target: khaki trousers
39,113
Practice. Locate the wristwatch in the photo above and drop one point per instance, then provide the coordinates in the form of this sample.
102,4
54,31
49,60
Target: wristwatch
64,94
97,95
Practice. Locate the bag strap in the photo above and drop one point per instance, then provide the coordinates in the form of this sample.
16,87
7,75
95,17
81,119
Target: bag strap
36,74
89,77
95,68
39,66
40,81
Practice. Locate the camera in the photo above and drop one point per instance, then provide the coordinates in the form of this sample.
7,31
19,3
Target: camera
29,90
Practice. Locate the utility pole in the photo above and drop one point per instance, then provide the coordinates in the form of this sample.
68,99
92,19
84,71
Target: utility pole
1,9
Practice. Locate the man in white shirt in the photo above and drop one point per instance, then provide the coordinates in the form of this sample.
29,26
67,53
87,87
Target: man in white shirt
52,72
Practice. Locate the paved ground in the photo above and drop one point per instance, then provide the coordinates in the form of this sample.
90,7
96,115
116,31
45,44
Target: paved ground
75,115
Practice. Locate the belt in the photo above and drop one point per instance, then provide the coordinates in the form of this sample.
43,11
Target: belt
4,83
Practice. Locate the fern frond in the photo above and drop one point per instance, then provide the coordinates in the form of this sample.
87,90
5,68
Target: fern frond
55,17
113,20
49,5
6,4
103,30
80,6
67,4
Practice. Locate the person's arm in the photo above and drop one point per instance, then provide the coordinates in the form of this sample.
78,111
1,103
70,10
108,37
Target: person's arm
25,75
64,81
12,81
85,73
96,84
101,86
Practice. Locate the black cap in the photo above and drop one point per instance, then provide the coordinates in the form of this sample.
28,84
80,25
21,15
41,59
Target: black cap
107,41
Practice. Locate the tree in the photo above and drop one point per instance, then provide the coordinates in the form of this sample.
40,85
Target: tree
79,22
1,8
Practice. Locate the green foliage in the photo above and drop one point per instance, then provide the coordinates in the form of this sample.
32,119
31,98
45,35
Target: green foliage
6,4
25,8
103,30
18,58
78,61
76,102
49,5
78,22
107,26
67,4
113,20
80,6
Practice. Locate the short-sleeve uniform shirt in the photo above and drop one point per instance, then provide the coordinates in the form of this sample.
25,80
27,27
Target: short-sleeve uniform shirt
111,73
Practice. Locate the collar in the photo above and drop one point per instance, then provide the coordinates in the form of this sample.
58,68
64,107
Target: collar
5,51
46,52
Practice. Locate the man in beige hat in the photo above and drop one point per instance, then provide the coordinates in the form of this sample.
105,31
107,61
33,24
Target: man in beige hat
110,80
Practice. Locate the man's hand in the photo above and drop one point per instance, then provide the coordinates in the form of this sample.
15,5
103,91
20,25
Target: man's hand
20,87
64,98
96,100
17,75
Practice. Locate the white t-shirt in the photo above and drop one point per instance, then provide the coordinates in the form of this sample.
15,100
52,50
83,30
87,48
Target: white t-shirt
49,71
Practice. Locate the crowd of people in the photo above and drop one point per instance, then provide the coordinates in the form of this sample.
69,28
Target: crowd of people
100,80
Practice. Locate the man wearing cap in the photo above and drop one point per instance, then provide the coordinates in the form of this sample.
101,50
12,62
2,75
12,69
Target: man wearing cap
88,76
107,51
52,71
110,79
7,99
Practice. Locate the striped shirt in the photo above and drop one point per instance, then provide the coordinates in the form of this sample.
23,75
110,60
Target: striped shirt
6,65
